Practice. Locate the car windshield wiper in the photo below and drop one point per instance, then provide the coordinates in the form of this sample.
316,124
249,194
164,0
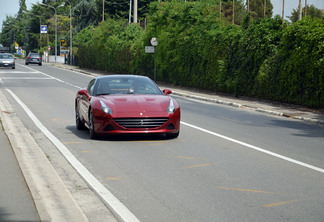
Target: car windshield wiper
102,94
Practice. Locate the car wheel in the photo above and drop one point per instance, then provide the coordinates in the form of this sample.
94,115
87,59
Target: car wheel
172,135
13,67
40,64
26,64
92,132
78,122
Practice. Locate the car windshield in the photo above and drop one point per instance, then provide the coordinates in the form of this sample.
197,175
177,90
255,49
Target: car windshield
34,55
6,56
126,85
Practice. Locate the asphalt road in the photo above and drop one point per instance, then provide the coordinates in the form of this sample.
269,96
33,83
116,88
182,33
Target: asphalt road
227,164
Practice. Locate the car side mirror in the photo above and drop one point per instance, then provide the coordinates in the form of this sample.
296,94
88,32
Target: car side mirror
167,92
84,92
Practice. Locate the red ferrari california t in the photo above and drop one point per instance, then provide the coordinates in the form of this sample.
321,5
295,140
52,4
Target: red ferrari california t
126,104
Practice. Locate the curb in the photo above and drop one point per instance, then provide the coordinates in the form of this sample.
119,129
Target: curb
52,199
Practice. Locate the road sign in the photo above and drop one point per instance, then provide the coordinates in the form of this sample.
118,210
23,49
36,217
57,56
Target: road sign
43,28
149,49
154,41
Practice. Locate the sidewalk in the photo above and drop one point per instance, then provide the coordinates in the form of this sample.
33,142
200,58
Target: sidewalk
16,202
267,107
45,196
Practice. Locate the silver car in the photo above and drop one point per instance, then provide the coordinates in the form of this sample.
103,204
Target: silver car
7,60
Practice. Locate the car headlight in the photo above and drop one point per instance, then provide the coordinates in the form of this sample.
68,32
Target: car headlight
105,108
171,107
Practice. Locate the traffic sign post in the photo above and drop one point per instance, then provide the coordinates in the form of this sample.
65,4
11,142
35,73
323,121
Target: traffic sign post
151,49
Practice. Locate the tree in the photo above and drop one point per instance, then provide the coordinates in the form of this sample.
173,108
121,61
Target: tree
312,11
239,11
256,9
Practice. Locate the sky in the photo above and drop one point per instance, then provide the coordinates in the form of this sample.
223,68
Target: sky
11,7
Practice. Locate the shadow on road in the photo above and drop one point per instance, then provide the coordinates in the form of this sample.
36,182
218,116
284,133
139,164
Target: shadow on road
84,134
304,129
4,217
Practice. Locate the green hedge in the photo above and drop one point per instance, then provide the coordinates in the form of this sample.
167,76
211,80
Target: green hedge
259,59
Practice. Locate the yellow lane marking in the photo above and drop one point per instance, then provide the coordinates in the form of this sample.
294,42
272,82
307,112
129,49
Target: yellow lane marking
72,142
58,119
113,178
199,165
182,157
279,203
246,190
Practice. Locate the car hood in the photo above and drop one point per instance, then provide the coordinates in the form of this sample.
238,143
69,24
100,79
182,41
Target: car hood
137,105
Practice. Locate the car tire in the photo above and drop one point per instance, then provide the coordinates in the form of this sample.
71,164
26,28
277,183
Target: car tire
26,64
92,131
78,122
172,135
40,64
13,67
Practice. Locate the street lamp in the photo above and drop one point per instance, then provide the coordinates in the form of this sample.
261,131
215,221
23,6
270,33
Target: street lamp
55,25
70,33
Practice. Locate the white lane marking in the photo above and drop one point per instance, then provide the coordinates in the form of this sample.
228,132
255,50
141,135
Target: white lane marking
256,148
26,78
109,199
17,72
25,66
52,77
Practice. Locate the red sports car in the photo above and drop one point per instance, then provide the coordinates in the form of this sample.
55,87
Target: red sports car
126,104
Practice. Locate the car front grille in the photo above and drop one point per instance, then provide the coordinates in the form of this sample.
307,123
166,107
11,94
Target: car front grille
141,122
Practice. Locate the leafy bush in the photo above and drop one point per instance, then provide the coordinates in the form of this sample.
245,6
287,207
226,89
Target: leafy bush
196,49
108,46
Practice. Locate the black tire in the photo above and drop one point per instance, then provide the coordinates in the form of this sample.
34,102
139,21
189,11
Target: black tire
173,135
78,122
92,132
40,64
13,67
26,63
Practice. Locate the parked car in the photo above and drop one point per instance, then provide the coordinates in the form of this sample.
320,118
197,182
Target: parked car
33,58
7,60
126,104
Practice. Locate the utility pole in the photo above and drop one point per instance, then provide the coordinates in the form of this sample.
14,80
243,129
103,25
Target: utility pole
220,10
233,12
300,10
305,8
283,12
103,10
70,34
130,12
264,8
248,6
135,11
